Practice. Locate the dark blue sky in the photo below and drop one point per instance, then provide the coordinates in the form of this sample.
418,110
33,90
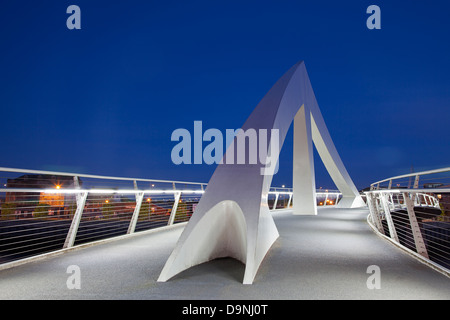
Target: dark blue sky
105,99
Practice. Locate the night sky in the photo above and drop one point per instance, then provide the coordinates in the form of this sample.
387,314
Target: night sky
105,99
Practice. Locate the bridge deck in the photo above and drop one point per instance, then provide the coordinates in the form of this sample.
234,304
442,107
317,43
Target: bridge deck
316,257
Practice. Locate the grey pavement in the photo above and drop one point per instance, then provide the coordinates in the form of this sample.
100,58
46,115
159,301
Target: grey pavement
316,257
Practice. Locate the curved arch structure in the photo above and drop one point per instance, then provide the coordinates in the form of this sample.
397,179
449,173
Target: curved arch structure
232,217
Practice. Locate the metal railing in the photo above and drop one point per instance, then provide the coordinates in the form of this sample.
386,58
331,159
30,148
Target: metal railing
46,211
281,198
413,211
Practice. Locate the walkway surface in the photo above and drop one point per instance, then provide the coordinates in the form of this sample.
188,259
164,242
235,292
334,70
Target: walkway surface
316,257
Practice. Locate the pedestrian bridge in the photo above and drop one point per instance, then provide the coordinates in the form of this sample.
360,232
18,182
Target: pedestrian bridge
116,234
66,235
316,257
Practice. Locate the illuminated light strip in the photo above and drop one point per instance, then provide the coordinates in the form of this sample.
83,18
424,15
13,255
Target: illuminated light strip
317,193
95,191
426,190
131,191
122,191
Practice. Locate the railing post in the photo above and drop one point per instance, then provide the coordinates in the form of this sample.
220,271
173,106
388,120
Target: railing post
71,235
137,210
290,200
76,182
376,218
425,199
416,199
391,201
177,196
416,182
387,214
435,202
417,234
276,200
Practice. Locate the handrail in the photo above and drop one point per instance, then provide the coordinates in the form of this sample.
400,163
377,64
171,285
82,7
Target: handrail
92,176
413,174
416,219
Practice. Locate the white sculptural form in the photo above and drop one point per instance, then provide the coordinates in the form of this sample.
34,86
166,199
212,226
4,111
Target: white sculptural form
232,218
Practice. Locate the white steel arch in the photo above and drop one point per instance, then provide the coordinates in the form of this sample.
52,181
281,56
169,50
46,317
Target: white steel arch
242,187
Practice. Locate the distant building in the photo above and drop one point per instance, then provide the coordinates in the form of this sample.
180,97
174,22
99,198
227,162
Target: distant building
444,201
433,185
24,203
443,197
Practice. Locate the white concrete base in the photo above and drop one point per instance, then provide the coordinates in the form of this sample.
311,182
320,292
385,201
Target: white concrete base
222,232
351,202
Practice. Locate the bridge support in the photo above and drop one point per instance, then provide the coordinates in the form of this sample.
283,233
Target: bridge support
232,218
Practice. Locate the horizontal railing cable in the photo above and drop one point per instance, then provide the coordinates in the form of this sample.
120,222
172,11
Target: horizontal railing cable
416,217
43,211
